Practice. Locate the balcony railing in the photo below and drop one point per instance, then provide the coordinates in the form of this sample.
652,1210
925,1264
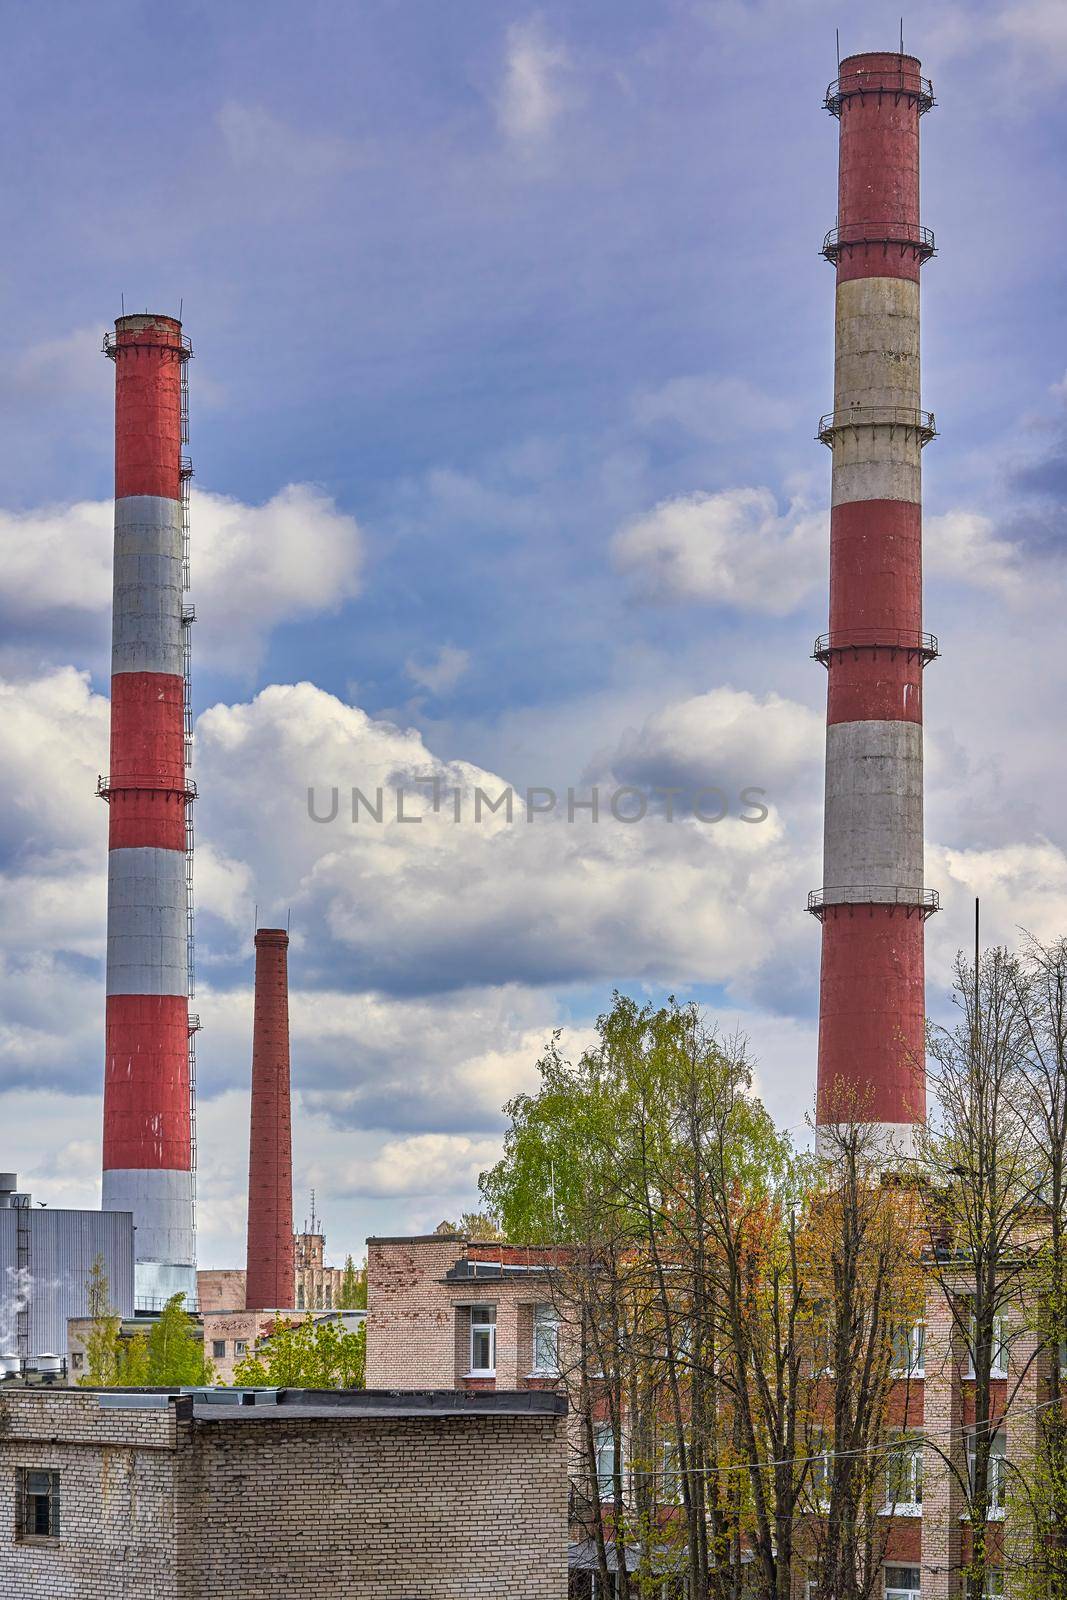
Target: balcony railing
853,417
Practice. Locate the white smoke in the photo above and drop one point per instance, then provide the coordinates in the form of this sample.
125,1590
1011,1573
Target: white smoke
14,1300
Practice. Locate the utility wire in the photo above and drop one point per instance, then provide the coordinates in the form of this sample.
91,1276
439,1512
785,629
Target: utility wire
916,1436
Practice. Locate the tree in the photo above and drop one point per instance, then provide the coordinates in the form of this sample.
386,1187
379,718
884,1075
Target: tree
103,1345
352,1294
1041,990
478,1225
173,1355
671,1204
169,1355
306,1355
861,1239
983,1172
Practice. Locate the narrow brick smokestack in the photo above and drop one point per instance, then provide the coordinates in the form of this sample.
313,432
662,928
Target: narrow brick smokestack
148,1150
873,904
270,1280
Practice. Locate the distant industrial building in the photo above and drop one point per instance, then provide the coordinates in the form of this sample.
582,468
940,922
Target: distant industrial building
229,1336
317,1285
249,1493
46,1258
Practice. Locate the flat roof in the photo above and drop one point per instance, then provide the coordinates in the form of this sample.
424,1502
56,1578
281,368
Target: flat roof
416,1238
266,1405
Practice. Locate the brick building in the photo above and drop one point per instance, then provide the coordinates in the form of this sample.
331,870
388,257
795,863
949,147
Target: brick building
277,1492
458,1315
231,1335
454,1313
317,1284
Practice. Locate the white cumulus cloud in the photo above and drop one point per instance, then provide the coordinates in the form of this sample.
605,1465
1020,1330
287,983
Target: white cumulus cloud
734,548
253,566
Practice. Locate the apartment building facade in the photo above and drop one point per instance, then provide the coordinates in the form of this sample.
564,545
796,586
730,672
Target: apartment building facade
473,1316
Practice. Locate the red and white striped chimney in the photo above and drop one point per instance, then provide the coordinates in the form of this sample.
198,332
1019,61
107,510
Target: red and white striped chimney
269,1278
873,904
148,1150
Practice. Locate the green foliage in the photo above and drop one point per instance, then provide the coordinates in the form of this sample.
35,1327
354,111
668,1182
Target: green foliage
306,1355
168,1356
172,1355
624,1105
352,1295
102,1347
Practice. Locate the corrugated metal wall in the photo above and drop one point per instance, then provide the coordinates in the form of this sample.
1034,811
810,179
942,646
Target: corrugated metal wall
62,1248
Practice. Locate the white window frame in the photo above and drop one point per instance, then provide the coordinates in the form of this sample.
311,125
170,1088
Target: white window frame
911,1344
545,1318
604,1445
902,1589
819,1472
1001,1346
906,1457
997,1471
482,1322
240,1347
670,1482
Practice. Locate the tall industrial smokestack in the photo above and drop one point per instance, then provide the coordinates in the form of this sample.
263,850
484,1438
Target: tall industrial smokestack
270,1267
148,1142
873,904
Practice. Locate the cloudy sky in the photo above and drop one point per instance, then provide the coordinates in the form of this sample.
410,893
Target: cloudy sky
511,334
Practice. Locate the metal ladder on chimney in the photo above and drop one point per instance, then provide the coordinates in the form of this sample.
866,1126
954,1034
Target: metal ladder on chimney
188,618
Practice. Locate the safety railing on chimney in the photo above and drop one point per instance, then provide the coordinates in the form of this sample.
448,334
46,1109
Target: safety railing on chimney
108,784
902,84
889,235
907,418
926,901
908,639
126,339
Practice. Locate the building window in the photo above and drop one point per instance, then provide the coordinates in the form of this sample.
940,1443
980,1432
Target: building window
902,1583
300,1297
483,1340
904,1476
995,1488
240,1347
1001,1342
546,1340
77,1360
994,1584
329,1297
218,1348
670,1478
909,1351
605,1456
38,1504
821,1467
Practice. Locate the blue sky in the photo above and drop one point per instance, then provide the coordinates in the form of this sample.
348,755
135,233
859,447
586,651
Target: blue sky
511,335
